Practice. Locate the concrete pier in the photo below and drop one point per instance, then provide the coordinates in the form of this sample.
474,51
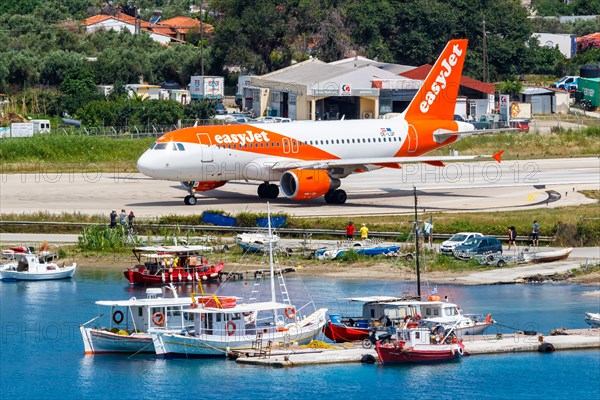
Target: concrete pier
580,339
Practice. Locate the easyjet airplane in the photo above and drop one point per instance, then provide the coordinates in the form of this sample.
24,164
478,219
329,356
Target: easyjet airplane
309,158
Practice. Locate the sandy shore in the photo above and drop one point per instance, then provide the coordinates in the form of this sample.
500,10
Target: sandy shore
536,272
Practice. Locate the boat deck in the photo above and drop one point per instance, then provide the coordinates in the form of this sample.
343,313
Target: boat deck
579,339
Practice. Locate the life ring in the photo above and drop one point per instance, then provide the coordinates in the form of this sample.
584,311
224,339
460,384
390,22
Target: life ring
117,317
290,312
407,318
460,351
158,318
412,325
231,327
194,305
417,317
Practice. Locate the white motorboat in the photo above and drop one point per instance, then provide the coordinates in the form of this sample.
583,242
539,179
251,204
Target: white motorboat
35,267
257,241
130,320
222,324
593,319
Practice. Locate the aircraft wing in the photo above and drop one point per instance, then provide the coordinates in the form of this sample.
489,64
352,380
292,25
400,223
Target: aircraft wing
441,135
362,163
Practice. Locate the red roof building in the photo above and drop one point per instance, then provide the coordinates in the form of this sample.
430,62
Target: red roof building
467,84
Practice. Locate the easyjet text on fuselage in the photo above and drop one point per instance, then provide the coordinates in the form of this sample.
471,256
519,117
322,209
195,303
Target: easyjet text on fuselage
242,138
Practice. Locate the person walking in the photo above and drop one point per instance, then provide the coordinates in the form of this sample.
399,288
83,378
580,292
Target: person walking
364,232
113,219
350,231
535,233
512,236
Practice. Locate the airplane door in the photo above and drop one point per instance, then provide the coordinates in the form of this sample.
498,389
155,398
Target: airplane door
206,148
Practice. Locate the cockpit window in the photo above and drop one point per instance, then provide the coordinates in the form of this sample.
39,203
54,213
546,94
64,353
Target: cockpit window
180,147
160,146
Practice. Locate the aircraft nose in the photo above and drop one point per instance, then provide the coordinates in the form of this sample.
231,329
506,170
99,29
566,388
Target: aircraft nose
146,165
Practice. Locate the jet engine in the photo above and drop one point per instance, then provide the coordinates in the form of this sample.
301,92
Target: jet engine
306,184
203,186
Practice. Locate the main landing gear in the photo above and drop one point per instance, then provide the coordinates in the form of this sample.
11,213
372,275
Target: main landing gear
268,191
190,200
336,197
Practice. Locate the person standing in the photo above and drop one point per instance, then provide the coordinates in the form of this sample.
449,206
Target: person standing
130,220
512,236
350,231
123,218
113,219
427,228
535,233
364,232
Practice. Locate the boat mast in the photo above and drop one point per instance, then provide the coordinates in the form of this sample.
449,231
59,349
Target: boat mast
271,268
416,228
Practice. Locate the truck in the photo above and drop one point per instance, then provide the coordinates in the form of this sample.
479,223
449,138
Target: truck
207,87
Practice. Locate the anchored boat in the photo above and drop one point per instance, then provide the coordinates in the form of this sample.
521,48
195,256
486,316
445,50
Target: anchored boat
158,265
27,266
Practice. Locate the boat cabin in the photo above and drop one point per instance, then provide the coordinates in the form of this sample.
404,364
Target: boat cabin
414,336
140,315
398,311
33,263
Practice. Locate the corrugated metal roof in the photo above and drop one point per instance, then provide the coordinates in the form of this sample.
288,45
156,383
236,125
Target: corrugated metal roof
536,91
422,71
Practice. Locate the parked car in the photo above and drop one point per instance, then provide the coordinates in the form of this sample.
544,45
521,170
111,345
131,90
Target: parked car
478,245
459,118
272,120
521,124
565,82
457,239
487,121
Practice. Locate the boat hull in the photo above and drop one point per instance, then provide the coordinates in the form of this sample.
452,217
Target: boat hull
394,354
592,320
62,273
99,341
179,275
340,333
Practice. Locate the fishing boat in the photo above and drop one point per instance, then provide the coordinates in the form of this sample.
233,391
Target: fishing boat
592,319
28,266
125,330
159,265
256,241
378,311
223,327
419,345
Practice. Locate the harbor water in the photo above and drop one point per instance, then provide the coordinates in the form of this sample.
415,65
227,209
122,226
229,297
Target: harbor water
41,351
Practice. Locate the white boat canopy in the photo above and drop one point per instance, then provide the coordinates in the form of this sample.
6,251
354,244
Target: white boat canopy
240,308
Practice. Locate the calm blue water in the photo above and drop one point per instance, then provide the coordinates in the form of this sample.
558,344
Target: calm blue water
41,352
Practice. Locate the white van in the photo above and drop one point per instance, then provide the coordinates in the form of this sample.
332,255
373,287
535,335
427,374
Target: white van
458,238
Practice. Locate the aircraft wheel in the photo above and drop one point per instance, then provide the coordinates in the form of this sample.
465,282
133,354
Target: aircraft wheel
190,200
339,197
272,191
262,190
329,197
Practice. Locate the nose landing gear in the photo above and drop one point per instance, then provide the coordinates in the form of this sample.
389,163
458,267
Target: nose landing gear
190,200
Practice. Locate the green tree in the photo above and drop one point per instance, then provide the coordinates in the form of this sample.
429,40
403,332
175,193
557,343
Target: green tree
78,89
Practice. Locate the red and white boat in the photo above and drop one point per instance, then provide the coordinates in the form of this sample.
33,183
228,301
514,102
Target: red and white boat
419,345
158,265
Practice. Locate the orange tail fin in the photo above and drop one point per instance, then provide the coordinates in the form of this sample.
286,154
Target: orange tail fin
436,99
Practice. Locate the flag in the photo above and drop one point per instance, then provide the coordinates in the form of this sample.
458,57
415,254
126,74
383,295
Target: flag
433,291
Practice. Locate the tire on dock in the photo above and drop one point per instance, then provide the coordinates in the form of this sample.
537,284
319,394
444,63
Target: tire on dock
546,348
367,359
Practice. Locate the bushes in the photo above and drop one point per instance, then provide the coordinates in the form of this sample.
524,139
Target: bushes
103,238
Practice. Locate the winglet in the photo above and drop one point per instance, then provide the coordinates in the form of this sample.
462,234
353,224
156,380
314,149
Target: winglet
498,155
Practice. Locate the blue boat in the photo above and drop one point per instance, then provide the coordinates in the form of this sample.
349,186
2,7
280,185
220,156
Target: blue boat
367,249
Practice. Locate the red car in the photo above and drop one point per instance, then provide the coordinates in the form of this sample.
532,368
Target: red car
521,124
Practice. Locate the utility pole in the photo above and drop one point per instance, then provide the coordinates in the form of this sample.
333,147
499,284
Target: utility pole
416,227
201,41
484,49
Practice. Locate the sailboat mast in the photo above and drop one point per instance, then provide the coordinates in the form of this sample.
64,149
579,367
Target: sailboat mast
416,227
271,268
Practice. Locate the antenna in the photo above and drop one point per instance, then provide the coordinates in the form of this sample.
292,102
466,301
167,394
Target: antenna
272,269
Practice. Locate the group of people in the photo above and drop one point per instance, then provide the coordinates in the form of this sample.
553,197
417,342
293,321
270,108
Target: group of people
364,231
535,235
126,220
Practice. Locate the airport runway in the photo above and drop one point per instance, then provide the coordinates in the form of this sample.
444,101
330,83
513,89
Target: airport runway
481,186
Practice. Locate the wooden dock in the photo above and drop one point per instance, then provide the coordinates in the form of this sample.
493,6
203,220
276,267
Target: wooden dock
581,339
252,274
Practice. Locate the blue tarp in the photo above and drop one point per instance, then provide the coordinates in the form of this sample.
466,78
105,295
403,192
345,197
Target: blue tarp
276,222
218,219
